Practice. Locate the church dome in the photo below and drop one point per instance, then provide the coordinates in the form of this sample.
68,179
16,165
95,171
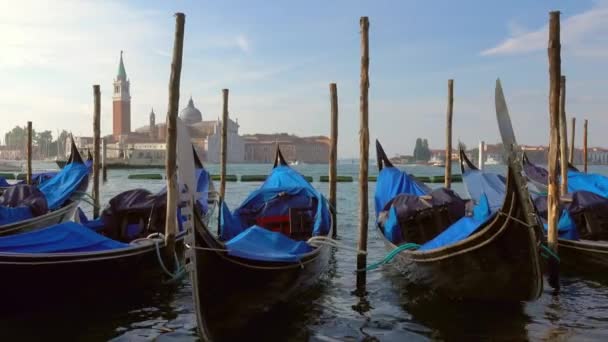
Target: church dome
191,115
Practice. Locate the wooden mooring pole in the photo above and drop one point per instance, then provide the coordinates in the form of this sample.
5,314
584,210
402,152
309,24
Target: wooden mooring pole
224,143
572,141
170,160
96,143
333,154
585,146
363,153
29,154
448,136
104,153
554,54
563,137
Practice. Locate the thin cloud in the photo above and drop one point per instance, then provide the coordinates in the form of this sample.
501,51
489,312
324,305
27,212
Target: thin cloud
243,43
577,35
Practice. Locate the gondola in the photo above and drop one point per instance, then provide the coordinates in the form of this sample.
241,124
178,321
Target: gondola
582,233
262,255
538,175
61,193
489,256
123,249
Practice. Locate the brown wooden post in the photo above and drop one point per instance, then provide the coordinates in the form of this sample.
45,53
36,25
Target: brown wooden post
448,136
333,154
96,138
554,52
28,175
585,146
572,141
363,152
563,137
104,154
170,161
224,143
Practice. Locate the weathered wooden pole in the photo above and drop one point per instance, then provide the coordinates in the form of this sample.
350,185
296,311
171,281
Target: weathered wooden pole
554,52
363,152
29,153
585,146
224,143
572,141
333,154
104,154
96,138
482,151
170,160
448,136
563,137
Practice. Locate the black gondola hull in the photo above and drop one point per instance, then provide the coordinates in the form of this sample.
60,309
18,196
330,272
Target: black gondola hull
230,291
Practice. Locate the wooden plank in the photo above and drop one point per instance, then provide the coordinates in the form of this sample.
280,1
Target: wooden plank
585,146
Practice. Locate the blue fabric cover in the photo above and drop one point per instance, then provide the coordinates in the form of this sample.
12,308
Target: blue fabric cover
10,215
283,189
491,184
202,187
3,182
63,237
591,182
392,182
257,243
59,188
566,228
462,228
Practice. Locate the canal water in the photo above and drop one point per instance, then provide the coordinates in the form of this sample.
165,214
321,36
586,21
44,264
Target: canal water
330,311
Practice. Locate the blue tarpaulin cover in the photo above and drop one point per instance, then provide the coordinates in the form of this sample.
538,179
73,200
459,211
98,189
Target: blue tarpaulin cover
392,182
202,187
3,182
63,237
59,188
462,228
283,189
257,243
491,184
591,182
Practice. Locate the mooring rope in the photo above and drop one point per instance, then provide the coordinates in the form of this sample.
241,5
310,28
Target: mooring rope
390,256
180,270
318,241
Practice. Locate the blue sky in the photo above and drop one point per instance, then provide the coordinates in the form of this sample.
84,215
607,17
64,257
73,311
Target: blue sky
278,58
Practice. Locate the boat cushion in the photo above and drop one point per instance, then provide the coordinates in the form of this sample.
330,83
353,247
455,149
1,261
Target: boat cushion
462,228
64,237
23,195
257,243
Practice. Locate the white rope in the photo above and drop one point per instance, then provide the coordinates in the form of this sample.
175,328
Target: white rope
318,241
206,248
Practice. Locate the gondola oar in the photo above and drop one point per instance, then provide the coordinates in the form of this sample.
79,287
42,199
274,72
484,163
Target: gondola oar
512,150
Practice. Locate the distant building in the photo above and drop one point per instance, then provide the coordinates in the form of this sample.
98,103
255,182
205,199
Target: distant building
260,148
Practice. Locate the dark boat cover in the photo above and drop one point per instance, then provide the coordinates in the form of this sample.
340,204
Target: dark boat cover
588,206
61,187
3,182
60,238
21,202
284,189
392,182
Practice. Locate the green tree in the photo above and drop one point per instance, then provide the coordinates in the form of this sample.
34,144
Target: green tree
418,149
426,152
43,140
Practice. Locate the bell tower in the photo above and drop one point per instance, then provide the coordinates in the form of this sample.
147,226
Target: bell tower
121,99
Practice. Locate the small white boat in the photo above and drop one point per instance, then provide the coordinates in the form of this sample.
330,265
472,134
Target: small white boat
492,161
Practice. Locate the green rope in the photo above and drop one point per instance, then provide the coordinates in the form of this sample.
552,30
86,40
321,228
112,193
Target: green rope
549,252
390,256
179,272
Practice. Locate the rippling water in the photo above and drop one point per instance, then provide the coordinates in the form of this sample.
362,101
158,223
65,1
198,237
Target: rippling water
330,311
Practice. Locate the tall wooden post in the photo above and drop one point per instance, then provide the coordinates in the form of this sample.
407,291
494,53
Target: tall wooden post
363,152
585,146
572,141
170,161
482,151
29,153
96,138
104,153
333,153
224,143
563,137
448,136
554,52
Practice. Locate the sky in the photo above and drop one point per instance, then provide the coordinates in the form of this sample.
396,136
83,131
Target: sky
278,58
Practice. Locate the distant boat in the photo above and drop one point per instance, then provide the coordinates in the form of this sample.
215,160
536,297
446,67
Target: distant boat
491,161
136,159
295,162
436,162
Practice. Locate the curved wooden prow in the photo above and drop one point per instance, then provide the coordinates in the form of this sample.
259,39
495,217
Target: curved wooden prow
74,154
197,160
570,166
464,161
278,158
381,157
